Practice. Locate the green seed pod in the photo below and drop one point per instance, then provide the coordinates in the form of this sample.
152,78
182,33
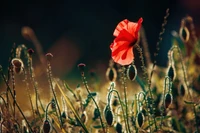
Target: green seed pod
96,114
111,74
131,72
53,104
63,115
108,115
168,100
184,34
46,126
118,127
171,72
140,119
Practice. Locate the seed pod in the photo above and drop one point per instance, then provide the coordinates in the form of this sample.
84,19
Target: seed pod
168,100
184,34
63,115
53,104
111,74
115,101
171,72
140,119
108,115
118,127
96,114
131,72
17,65
46,126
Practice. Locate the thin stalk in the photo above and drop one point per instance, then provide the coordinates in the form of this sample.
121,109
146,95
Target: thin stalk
86,87
53,91
125,97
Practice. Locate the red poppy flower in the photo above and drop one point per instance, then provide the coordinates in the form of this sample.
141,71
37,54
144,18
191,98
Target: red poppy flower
126,34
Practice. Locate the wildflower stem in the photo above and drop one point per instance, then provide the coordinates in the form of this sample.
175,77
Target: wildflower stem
53,91
125,97
86,87
46,111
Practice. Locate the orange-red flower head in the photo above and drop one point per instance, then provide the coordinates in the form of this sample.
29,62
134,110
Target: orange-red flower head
126,34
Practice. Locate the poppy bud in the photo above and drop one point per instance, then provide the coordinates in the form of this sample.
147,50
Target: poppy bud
53,104
49,56
140,119
184,34
17,65
81,67
111,74
131,72
108,115
96,114
168,100
30,51
118,127
46,126
171,72
115,102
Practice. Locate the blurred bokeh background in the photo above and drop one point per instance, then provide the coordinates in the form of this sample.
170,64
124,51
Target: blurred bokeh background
77,31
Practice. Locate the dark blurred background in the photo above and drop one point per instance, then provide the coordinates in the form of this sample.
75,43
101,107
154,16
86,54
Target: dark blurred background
77,31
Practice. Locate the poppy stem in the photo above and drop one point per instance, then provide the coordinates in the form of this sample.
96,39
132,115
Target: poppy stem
125,97
86,87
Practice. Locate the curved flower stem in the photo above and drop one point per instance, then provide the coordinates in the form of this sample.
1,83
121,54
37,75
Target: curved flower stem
46,111
125,97
12,95
121,104
86,87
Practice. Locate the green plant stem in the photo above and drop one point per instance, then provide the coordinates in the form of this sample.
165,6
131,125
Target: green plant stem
51,86
46,111
125,97
86,87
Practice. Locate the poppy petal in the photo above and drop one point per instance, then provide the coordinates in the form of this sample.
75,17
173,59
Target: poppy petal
122,25
124,35
123,46
133,28
128,54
